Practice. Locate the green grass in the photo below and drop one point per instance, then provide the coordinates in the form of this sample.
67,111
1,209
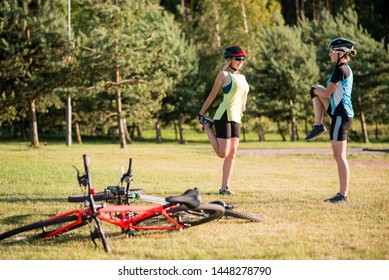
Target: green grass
287,190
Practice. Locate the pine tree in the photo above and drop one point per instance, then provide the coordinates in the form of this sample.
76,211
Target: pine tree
32,48
286,71
128,59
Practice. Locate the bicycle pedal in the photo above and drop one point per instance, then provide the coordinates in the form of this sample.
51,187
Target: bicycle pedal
95,234
129,233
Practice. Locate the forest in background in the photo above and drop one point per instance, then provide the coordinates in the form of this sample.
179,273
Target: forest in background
122,65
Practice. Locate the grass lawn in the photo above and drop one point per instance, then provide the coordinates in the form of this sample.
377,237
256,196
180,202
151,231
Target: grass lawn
286,189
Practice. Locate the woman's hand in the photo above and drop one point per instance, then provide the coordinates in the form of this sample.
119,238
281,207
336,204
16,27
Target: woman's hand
320,87
200,118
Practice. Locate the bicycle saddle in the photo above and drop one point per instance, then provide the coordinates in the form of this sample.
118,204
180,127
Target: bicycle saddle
190,198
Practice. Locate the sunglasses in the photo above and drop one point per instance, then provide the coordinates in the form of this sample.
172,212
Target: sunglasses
239,58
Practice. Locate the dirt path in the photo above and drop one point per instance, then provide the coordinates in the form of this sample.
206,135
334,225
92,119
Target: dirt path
307,151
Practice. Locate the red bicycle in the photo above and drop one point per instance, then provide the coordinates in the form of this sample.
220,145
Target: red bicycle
122,195
179,212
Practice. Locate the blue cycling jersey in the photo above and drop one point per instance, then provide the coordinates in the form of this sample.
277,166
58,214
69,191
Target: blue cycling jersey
340,99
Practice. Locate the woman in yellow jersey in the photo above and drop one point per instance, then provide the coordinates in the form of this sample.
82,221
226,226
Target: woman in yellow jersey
228,116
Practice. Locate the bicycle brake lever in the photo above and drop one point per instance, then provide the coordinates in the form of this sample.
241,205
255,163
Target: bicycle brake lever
127,177
82,180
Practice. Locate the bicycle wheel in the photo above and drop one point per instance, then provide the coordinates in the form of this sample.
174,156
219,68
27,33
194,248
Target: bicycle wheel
204,213
100,196
45,227
245,216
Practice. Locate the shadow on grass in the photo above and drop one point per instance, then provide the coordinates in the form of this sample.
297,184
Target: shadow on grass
6,198
376,150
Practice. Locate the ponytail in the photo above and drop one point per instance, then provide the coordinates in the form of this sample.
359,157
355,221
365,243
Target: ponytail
353,52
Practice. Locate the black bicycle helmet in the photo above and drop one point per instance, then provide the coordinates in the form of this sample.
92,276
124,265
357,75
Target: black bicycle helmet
341,45
234,51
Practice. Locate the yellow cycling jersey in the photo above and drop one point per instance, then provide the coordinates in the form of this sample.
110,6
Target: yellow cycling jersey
233,99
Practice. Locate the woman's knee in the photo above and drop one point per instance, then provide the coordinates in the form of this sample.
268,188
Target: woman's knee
228,153
222,154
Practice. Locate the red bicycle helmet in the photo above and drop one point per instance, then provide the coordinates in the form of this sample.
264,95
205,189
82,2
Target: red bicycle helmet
234,51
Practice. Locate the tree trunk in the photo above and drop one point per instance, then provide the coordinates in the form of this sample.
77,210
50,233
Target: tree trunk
77,131
112,134
365,136
158,137
33,126
24,137
260,132
280,131
181,130
217,28
293,132
77,125
297,11
128,137
376,129
139,131
122,136
245,25
175,132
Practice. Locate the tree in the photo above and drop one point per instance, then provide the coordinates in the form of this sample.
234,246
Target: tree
281,80
127,53
180,102
373,15
32,49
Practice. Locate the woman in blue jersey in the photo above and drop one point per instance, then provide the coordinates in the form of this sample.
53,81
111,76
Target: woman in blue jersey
335,98
228,116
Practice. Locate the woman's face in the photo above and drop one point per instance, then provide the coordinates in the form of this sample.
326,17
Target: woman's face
237,62
333,56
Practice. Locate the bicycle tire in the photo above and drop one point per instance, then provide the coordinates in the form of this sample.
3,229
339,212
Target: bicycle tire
100,196
41,225
202,214
244,216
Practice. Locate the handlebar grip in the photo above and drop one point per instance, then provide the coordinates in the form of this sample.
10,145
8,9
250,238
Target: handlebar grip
129,171
86,167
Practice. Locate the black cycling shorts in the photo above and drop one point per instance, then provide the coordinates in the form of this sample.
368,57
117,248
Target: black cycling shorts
225,129
339,126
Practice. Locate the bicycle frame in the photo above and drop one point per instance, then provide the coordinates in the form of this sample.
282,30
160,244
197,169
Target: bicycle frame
105,214
120,215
